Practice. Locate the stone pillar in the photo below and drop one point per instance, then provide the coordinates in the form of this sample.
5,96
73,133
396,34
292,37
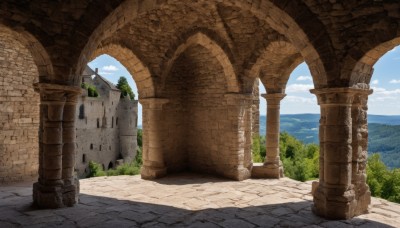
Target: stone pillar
53,189
360,151
272,167
153,138
238,160
71,183
334,197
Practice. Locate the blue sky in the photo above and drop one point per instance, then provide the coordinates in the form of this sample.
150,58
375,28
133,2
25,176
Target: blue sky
385,82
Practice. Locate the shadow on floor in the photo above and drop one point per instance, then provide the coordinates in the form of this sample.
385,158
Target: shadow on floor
96,211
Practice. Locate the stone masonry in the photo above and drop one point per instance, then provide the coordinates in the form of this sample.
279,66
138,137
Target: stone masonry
19,111
195,64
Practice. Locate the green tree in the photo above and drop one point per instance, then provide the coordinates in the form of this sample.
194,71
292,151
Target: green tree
125,89
383,182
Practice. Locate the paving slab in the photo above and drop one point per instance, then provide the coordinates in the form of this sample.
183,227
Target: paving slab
185,200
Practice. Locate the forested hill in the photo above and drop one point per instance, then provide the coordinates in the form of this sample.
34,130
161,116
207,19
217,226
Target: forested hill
384,133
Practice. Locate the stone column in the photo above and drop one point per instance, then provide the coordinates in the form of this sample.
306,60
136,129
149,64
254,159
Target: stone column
51,191
153,138
238,158
360,151
71,183
334,197
272,167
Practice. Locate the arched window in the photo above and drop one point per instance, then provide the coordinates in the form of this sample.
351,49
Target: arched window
81,112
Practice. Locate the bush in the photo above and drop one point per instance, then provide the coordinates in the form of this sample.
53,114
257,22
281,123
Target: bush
92,90
95,170
300,161
133,168
382,181
255,149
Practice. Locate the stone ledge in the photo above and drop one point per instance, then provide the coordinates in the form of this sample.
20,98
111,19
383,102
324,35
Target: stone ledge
261,171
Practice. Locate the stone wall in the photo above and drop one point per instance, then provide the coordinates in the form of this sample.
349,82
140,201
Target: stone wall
19,111
197,114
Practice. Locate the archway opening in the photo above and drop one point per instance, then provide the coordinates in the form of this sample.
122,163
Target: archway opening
297,125
98,125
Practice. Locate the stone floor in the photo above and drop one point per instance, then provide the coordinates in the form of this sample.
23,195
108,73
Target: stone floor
185,200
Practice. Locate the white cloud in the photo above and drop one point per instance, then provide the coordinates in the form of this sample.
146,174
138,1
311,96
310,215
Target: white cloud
375,82
296,88
304,100
393,50
382,95
304,78
394,81
105,73
110,68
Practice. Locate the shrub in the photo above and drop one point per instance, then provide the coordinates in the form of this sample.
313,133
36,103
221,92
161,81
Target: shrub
92,90
95,170
133,168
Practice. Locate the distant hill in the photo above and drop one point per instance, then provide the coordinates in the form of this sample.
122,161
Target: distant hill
384,133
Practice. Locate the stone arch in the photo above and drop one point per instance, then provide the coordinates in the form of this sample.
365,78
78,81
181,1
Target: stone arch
281,17
123,14
359,73
36,49
290,19
273,64
216,51
139,71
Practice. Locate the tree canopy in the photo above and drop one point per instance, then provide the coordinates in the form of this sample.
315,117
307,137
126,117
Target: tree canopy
124,87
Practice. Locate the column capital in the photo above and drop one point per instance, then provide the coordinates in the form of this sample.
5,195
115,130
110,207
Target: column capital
274,96
153,103
56,87
57,93
342,96
361,97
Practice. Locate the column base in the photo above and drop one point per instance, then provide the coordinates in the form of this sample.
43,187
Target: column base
52,197
151,173
238,174
363,202
334,206
266,171
71,193
47,197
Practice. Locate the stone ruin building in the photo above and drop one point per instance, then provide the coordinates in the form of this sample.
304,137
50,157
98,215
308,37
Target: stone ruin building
106,126
196,64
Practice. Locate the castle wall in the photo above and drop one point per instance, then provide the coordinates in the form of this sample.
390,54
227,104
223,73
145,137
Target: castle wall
99,122
19,111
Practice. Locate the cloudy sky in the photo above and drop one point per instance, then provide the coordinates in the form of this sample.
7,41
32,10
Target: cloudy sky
385,82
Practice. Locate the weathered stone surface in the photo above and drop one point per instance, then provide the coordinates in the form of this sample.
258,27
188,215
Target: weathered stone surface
120,201
19,111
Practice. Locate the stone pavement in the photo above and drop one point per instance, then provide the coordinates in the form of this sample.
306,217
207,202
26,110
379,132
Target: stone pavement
184,200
